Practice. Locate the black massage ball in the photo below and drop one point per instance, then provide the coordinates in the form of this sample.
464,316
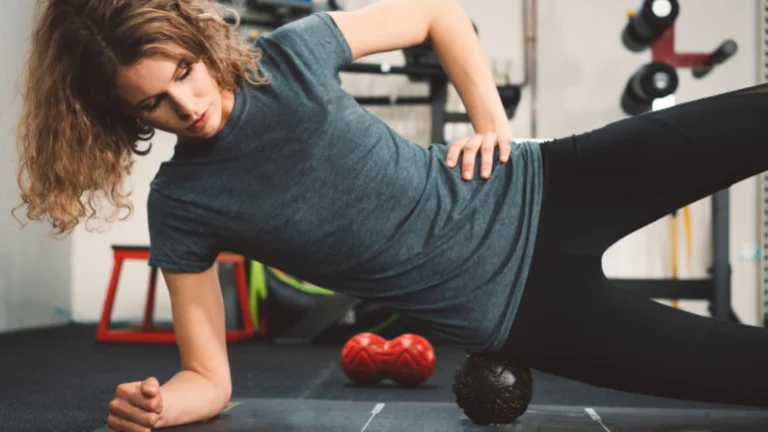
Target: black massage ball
491,389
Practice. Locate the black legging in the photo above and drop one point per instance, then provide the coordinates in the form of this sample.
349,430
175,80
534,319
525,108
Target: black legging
605,184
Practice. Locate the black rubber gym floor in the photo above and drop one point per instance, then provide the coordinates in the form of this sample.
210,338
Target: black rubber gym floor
60,379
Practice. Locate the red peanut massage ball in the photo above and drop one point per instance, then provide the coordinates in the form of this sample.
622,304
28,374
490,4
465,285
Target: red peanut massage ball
411,360
361,359
408,360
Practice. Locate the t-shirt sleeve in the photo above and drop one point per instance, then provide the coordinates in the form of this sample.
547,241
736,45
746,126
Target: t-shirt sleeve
179,239
315,42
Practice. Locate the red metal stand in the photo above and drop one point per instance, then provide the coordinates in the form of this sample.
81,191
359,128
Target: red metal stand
148,333
664,52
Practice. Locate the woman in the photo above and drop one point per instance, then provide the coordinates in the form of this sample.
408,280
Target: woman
496,245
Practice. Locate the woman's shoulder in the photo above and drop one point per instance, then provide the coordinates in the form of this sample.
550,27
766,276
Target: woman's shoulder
314,42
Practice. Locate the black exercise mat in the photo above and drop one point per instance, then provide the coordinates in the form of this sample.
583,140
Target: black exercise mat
61,379
281,415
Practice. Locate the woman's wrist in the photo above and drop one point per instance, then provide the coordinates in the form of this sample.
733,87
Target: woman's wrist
499,126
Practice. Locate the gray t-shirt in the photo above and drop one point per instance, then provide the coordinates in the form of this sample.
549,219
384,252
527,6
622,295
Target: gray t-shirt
306,180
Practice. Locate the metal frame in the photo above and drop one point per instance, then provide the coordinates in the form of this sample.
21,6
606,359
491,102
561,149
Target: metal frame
720,307
762,48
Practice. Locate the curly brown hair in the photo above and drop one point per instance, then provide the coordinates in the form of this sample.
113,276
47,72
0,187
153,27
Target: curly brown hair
76,147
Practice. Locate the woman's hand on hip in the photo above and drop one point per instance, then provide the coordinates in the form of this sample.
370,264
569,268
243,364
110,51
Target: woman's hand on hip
486,144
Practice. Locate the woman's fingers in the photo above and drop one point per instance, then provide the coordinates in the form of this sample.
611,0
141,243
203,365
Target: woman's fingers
153,401
132,406
135,417
505,149
486,155
468,148
454,151
470,154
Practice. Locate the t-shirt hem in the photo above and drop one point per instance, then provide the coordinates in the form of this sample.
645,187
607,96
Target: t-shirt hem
331,23
180,266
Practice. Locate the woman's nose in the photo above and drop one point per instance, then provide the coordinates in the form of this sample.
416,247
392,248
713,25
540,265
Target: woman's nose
183,104
184,110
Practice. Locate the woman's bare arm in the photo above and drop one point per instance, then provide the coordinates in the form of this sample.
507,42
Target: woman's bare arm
390,25
203,386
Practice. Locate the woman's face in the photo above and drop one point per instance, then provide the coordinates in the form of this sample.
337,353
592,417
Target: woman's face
174,97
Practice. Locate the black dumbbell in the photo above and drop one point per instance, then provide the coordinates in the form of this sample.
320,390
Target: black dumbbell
652,19
725,51
652,81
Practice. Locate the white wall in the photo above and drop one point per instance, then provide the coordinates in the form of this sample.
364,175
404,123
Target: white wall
34,269
582,70
92,252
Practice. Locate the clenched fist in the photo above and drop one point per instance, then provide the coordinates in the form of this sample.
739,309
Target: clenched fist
136,407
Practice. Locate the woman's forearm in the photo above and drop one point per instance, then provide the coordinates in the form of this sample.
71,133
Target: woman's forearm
189,397
458,49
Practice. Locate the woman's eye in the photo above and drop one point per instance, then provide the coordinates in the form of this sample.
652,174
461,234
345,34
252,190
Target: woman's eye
187,71
151,108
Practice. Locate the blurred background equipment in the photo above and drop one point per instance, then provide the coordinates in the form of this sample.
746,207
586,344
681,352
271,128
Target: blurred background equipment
652,87
653,26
